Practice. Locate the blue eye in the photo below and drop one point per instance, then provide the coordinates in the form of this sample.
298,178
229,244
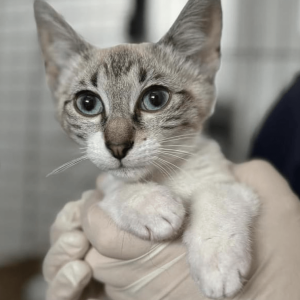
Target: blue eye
89,104
155,99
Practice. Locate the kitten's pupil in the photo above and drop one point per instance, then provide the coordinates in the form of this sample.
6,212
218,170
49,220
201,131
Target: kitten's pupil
155,99
88,103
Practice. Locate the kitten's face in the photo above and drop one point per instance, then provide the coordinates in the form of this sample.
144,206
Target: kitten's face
135,108
124,102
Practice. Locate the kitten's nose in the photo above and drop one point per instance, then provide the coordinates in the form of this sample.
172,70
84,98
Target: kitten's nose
119,151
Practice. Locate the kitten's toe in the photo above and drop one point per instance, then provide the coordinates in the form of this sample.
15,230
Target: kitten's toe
165,225
219,268
218,285
158,217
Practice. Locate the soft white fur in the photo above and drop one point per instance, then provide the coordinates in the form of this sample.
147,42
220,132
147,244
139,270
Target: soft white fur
220,210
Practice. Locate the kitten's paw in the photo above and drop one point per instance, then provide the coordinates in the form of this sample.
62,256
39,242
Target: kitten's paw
219,267
154,215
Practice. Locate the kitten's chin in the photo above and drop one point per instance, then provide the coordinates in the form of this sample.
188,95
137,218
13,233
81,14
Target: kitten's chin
129,173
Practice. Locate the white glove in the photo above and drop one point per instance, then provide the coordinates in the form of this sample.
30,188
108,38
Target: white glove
67,274
134,269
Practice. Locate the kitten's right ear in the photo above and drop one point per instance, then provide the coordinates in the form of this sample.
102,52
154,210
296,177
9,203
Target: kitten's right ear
196,34
58,41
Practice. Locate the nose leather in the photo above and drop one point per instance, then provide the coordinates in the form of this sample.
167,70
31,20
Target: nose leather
119,151
119,136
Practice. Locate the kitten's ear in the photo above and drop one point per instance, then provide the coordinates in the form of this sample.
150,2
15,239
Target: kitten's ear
196,34
58,41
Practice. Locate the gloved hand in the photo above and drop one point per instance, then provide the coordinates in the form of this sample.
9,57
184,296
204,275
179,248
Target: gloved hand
69,277
133,269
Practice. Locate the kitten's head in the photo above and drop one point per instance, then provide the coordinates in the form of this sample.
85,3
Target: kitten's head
136,107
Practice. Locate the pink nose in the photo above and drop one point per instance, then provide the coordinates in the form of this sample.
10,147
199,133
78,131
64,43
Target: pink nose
119,151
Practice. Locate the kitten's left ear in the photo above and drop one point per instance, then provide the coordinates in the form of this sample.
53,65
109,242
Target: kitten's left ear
59,42
196,34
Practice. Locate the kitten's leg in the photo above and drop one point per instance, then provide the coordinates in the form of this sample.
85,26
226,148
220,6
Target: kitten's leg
218,238
148,210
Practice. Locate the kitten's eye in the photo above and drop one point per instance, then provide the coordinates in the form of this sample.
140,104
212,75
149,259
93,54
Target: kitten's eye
155,99
88,104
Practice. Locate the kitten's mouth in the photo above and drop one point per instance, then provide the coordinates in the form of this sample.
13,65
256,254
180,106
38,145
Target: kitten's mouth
129,172
136,166
129,169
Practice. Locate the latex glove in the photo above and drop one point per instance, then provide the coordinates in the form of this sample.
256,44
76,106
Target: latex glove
136,269
69,277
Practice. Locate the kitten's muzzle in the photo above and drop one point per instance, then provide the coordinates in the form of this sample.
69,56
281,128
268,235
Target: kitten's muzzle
119,151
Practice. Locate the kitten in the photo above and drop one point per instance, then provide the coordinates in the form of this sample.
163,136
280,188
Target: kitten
139,111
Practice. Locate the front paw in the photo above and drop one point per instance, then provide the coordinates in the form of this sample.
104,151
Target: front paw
150,213
219,266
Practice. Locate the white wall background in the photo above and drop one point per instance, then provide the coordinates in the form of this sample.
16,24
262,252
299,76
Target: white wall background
261,54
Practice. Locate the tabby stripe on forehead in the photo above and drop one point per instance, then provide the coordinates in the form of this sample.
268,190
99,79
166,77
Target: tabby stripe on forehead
142,75
157,76
94,79
81,82
121,63
105,65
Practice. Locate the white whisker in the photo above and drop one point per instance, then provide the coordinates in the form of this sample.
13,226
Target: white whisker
168,167
182,139
186,134
68,165
180,169
162,170
149,173
157,167
176,150
166,153
83,149
177,137
181,146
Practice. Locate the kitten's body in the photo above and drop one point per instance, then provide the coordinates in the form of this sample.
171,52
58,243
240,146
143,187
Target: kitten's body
160,167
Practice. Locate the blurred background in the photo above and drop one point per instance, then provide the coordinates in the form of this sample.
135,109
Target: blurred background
260,58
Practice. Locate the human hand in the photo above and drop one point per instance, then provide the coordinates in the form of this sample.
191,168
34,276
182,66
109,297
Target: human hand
135,269
69,277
